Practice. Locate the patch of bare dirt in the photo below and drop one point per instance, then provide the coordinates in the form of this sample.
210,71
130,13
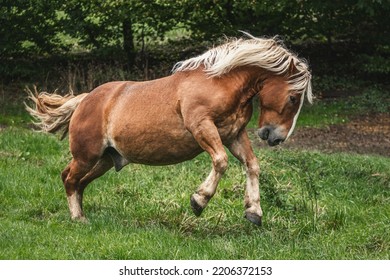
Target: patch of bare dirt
368,134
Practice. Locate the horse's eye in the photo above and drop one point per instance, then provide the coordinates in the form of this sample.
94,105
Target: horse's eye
293,99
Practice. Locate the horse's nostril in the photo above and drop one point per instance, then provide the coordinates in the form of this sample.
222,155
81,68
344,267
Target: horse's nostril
278,141
264,133
275,142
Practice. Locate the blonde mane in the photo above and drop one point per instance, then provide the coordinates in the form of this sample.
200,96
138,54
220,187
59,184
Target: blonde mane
268,54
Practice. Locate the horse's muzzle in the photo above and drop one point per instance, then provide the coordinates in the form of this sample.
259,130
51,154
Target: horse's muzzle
271,134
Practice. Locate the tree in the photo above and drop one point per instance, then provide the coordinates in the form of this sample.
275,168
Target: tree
101,23
39,26
28,27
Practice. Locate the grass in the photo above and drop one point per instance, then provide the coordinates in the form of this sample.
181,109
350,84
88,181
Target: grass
316,206
325,112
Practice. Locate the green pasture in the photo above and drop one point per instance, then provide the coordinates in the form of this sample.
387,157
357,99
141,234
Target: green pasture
316,206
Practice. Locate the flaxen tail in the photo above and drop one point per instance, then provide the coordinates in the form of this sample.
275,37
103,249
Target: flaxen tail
53,111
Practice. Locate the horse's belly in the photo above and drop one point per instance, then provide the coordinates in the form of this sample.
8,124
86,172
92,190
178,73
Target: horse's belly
158,149
156,146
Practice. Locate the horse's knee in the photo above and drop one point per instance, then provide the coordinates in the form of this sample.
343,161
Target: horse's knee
221,163
65,173
71,177
70,183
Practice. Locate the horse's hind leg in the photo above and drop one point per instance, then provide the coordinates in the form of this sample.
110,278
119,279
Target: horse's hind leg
71,177
76,176
104,164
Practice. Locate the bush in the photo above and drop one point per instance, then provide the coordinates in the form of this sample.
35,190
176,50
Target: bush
374,99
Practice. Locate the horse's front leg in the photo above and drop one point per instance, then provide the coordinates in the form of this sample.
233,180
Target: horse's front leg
241,148
206,134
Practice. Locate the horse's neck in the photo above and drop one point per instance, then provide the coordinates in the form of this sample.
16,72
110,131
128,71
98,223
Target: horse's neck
251,80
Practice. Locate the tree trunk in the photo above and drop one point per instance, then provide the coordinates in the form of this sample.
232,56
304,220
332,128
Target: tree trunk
128,42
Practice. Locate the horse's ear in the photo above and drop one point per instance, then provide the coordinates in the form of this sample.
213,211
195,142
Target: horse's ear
292,69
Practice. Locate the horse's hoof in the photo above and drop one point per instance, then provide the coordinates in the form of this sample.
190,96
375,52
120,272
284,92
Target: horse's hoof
196,208
254,218
80,219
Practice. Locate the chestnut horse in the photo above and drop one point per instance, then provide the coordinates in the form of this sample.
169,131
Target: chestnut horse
203,106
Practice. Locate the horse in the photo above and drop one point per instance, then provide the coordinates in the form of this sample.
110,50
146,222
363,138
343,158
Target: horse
203,106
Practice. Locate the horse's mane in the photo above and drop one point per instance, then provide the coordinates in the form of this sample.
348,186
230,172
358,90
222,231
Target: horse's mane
268,54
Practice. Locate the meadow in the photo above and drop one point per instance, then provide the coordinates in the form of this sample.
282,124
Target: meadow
316,205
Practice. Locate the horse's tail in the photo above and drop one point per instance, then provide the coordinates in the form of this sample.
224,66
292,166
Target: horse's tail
52,111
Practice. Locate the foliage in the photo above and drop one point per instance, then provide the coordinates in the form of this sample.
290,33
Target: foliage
47,41
375,64
96,24
28,27
374,100
326,83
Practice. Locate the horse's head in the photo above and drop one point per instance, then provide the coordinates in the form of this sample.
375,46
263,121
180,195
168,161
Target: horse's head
280,106
278,76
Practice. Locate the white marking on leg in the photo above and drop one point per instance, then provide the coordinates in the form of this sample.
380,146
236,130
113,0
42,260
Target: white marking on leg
252,192
74,202
242,150
208,188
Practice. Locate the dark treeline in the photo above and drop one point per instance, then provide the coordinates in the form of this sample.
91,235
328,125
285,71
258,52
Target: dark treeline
357,30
